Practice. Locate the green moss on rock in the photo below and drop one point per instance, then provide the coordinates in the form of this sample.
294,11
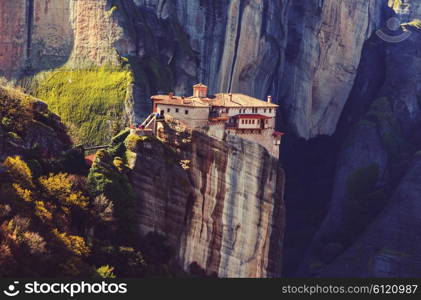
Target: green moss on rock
91,102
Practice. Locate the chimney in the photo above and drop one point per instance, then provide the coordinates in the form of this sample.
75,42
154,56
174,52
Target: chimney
171,95
230,97
269,99
200,90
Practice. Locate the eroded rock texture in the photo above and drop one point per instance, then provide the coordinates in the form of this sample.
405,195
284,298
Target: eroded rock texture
45,34
389,247
221,208
13,36
376,153
324,50
304,53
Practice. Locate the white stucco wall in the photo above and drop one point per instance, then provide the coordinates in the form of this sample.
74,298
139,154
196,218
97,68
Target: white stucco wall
261,111
196,117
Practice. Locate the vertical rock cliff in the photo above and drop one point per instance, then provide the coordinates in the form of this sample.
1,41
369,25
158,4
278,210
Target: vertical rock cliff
14,36
388,247
377,145
320,60
219,203
304,53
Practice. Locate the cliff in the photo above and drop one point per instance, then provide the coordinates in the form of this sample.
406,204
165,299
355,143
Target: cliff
219,203
304,53
27,125
320,60
376,149
387,248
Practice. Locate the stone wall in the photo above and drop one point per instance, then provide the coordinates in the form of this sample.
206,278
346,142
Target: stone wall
219,203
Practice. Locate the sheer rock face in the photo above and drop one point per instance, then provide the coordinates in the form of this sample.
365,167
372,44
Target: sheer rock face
50,38
304,53
98,37
13,36
326,39
222,211
383,135
45,34
389,247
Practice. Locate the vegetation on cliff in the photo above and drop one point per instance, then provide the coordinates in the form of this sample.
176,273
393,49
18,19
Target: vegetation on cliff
55,220
91,102
19,113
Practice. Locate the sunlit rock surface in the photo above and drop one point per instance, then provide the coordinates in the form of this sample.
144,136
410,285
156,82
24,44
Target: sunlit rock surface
219,203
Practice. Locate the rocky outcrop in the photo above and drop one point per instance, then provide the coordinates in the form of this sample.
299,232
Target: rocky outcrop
46,34
379,140
50,34
42,134
304,53
325,43
14,35
219,203
388,247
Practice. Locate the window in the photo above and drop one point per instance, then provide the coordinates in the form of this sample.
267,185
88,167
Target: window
242,121
228,110
270,110
267,121
176,110
186,112
168,110
265,110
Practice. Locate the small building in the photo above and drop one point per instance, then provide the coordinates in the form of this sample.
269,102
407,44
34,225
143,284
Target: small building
224,113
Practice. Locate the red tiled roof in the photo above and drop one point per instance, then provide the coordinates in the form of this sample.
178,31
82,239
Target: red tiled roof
251,116
221,100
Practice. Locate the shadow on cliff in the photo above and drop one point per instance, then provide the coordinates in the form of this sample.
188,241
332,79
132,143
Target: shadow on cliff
52,50
373,149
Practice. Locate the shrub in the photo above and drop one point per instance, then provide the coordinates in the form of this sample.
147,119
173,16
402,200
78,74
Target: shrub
73,243
105,272
35,243
416,23
15,110
19,171
103,208
42,212
60,188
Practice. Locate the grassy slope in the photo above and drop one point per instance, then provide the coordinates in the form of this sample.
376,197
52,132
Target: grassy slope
89,101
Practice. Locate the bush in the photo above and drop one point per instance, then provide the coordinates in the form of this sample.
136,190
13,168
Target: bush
105,272
59,188
15,110
19,171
